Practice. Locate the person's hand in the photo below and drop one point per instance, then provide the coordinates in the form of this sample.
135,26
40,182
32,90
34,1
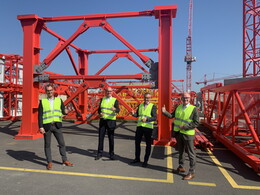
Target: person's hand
101,114
42,131
163,109
66,111
144,119
181,126
113,108
133,112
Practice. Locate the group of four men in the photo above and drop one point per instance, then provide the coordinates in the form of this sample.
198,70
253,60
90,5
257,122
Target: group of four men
51,109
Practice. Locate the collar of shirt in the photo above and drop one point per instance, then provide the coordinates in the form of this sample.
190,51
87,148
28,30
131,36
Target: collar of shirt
184,107
51,100
108,99
145,105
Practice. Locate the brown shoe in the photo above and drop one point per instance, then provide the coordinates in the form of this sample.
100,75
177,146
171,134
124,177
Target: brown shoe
49,166
179,170
67,163
189,176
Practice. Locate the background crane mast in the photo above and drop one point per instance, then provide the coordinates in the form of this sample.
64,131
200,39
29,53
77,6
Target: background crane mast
251,38
188,58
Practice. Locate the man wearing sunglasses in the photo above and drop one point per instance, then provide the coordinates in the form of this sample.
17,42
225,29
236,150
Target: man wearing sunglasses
186,120
146,113
107,110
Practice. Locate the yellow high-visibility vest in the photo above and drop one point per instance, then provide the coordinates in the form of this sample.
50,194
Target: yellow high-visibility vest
51,115
182,117
145,112
106,108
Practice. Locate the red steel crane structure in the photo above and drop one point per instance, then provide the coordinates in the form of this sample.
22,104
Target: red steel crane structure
11,76
232,111
189,58
251,35
77,86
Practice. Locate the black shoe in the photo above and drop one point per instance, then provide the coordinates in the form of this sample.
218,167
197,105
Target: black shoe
135,161
112,157
98,157
145,164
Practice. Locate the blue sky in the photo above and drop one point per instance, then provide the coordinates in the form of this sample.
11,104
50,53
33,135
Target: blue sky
217,34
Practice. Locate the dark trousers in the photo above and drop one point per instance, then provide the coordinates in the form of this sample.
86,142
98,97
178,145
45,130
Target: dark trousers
176,135
103,128
47,143
147,132
187,141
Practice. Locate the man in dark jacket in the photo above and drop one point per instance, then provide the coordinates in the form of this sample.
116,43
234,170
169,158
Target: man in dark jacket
146,113
50,112
107,110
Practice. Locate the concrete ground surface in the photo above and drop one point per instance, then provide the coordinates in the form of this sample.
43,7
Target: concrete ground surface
22,166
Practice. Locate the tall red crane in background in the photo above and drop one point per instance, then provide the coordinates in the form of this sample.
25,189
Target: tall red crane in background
251,38
189,58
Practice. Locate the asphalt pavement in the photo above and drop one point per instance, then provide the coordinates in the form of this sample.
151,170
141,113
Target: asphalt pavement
23,171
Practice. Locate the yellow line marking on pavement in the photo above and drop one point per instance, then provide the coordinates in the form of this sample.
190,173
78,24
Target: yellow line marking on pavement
11,143
228,177
220,149
169,165
201,183
84,174
170,175
168,180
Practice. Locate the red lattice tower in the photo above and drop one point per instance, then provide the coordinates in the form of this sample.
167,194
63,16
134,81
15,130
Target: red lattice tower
251,47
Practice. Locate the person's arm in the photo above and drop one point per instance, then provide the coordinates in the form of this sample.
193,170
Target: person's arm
136,113
195,120
99,107
63,109
116,105
40,120
167,114
40,113
153,114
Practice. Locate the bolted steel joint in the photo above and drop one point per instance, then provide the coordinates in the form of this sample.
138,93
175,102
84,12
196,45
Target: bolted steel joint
146,76
42,77
149,63
40,68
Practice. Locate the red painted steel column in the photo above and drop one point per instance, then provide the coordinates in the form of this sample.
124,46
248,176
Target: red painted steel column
32,26
83,97
165,15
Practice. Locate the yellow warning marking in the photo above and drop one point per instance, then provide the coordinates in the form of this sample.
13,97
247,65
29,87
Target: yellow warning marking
11,143
228,177
201,183
168,180
169,164
84,174
220,149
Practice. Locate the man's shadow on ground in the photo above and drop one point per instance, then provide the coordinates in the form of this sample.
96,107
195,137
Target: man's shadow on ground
28,156
157,152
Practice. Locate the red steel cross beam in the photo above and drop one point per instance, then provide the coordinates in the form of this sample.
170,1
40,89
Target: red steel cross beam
33,25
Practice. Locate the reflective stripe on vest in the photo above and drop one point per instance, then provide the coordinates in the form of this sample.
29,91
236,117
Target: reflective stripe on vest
145,113
182,117
49,115
106,108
